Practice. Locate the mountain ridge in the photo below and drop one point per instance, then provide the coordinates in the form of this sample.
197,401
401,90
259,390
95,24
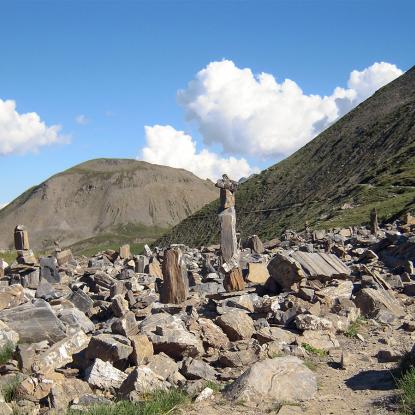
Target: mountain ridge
366,159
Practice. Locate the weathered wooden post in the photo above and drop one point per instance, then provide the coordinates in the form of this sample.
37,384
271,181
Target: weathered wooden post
228,243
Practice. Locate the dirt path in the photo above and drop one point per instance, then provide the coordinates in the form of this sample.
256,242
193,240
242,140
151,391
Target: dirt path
365,387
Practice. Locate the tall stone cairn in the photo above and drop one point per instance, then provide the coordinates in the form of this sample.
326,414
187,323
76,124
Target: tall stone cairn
21,244
228,243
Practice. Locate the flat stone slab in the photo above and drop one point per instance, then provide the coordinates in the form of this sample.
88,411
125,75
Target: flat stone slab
34,322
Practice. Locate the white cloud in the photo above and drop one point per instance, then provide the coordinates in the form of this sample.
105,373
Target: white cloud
81,119
21,133
253,115
173,148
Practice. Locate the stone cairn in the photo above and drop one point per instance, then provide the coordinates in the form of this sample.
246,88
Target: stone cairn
228,242
21,244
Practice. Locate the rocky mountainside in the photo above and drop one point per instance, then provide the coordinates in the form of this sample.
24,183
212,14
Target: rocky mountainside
364,160
105,196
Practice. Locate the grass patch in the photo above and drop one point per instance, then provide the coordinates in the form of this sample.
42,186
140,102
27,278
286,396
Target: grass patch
155,403
313,350
8,256
354,328
310,364
134,234
216,387
407,385
6,352
9,389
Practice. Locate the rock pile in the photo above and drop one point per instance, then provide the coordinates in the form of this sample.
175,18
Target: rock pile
117,325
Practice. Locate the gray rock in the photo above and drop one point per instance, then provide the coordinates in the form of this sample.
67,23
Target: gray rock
288,269
34,322
126,325
371,302
49,270
119,305
169,335
238,358
81,300
109,348
104,375
45,291
282,379
141,380
194,369
76,320
162,365
61,352
311,322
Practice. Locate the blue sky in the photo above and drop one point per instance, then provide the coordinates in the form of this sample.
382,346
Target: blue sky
120,64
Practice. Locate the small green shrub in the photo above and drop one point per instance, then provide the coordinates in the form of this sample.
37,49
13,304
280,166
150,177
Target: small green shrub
156,403
6,352
354,327
407,385
313,350
9,389
216,387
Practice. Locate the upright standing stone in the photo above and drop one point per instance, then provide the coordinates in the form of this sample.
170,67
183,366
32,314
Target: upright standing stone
125,252
175,288
228,242
21,238
233,280
141,263
374,226
21,243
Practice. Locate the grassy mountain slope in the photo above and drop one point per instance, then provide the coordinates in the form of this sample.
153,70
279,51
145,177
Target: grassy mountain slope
366,160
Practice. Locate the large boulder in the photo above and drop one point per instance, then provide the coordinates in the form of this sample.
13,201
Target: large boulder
60,354
169,335
141,380
194,369
237,325
104,375
282,379
109,348
34,322
371,302
288,269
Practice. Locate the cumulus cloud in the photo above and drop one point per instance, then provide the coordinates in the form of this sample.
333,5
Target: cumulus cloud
21,133
169,147
81,119
255,115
